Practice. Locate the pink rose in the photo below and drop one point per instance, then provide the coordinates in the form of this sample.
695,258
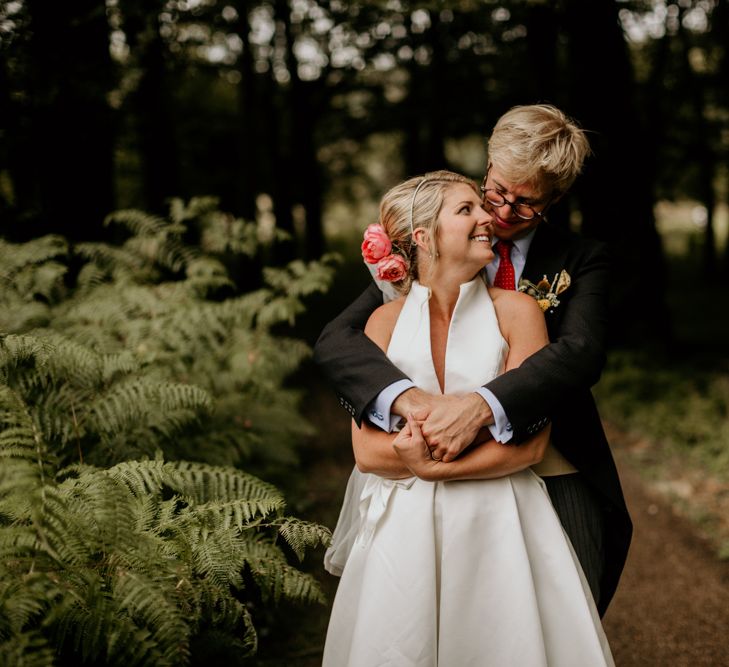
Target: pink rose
376,244
392,268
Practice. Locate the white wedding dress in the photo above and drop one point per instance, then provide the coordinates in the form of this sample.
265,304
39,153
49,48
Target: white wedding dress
450,574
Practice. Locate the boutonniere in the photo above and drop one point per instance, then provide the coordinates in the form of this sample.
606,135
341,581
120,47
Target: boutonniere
545,292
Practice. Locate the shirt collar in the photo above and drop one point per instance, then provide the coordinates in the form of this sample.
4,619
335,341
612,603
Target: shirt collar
523,244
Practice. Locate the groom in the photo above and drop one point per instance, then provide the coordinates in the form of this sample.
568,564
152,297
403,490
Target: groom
535,154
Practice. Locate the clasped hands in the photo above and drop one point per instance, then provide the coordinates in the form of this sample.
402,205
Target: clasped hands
439,427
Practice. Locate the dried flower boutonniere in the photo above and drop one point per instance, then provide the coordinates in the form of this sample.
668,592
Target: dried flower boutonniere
545,292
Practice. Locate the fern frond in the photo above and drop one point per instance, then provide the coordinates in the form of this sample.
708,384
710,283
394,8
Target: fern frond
89,277
27,649
138,222
70,361
15,256
141,401
279,309
236,513
300,535
197,207
154,238
150,604
24,316
301,278
118,365
148,477
217,555
205,275
62,534
25,458
18,352
206,483
165,249
277,579
90,624
23,601
118,263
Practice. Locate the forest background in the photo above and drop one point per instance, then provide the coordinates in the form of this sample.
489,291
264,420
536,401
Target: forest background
296,115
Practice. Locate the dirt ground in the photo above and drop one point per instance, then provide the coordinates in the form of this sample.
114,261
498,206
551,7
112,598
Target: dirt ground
671,608
672,605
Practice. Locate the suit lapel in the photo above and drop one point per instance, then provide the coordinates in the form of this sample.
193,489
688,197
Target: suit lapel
547,253
547,256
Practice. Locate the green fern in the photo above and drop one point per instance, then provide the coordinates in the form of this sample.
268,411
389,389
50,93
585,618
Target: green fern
113,548
115,559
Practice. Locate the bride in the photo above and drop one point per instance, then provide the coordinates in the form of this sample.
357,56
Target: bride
466,562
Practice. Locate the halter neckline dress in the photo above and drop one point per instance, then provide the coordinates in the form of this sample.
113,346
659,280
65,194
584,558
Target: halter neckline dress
449,574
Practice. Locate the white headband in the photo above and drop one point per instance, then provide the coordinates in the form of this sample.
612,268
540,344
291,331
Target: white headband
412,208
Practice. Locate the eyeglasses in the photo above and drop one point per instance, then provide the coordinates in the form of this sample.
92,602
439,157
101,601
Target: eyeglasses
496,199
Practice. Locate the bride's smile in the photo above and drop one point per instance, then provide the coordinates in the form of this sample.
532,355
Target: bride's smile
463,235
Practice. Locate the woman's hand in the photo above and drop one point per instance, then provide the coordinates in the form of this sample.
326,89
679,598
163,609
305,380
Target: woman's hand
413,450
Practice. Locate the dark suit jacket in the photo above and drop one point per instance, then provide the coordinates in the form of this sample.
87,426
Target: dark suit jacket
552,384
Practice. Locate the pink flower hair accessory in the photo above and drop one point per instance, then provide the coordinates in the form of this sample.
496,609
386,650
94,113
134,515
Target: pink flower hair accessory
392,268
376,244
378,249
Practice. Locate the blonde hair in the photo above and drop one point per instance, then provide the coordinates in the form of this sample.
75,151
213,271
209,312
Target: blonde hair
539,145
413,204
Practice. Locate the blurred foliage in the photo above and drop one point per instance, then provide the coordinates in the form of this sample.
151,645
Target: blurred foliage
119,361
268,103
671,402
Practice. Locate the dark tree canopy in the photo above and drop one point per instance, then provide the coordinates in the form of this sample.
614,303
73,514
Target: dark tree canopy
284,106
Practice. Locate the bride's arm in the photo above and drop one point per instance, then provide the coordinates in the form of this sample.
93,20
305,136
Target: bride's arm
487,460
372,446
373,452
398,455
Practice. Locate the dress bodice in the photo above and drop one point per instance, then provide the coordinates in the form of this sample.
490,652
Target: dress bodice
475,349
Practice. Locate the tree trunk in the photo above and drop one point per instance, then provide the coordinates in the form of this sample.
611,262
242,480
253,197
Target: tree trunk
543,26
281,144
616,190
701,153
151,105
68,147
307,184
425,121
720,27
248,147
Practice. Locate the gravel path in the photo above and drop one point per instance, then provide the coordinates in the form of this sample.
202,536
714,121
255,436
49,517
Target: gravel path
672,606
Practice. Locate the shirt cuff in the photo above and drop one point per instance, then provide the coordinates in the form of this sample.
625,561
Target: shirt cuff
379,411
501,429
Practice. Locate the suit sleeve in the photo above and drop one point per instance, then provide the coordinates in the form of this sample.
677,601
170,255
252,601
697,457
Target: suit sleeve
358,369
575,357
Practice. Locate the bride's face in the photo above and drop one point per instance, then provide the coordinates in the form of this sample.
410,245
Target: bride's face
464,229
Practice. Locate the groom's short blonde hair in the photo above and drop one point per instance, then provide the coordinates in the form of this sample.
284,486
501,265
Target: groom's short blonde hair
540,145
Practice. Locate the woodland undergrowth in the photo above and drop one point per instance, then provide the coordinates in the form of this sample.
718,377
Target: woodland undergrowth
142,401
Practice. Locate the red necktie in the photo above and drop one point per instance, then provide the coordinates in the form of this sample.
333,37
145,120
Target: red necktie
505,273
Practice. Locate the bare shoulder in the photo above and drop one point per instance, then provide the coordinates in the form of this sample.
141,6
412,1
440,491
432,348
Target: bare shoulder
517,313
381,323
511,304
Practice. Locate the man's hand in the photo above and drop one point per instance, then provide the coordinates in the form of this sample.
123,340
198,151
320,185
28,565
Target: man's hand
414,402
453,423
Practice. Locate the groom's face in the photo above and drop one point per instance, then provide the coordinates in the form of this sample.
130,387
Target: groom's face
523,197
